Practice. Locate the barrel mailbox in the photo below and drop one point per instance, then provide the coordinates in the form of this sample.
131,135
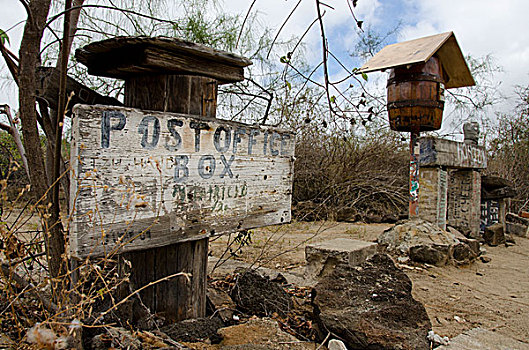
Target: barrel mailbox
416,97
419,71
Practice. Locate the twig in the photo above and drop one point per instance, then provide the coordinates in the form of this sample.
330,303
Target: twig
9,273
51,20
281,28
324,341
16,136
186,275
244,22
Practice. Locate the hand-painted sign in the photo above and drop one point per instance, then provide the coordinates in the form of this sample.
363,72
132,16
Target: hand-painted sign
147,179
452,154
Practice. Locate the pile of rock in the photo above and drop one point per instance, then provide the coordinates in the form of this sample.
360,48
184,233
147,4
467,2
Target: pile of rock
424,242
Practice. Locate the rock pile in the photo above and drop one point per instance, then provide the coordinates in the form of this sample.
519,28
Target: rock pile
424,242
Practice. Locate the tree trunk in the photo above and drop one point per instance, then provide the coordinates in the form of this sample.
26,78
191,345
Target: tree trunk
29,56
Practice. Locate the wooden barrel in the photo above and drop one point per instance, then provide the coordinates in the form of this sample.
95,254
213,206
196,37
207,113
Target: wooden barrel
416,97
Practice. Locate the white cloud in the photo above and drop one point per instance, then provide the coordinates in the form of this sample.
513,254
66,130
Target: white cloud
482,27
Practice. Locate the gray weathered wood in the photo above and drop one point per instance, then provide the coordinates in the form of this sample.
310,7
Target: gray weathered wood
451,154
48,89
128,197
444,46
123,57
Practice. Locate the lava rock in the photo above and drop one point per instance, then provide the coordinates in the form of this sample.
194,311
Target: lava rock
405,234
195,330
434,254
220,303
462,254
255,294
494,235
371,307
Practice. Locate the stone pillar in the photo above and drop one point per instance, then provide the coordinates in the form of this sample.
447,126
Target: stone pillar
464,201
434,191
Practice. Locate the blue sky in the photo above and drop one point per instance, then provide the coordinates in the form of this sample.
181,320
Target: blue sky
481,26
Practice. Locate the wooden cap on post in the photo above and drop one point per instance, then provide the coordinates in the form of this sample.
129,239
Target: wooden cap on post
123,57
444,46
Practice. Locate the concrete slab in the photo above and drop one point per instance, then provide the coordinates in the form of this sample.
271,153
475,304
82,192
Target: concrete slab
483,339
323,257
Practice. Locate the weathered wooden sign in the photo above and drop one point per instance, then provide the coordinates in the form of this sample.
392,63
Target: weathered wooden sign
145,179
452,154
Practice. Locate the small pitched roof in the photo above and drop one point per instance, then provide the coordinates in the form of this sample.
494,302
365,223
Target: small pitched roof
444,46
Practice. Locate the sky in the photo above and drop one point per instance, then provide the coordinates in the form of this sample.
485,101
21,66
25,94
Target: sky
482,27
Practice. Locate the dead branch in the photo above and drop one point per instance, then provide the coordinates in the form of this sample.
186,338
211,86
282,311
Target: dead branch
9,274
12,129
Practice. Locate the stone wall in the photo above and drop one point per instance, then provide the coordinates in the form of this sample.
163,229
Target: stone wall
433,195
464,201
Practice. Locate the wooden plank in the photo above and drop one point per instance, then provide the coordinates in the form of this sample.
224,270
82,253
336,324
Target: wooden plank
407,52
451,154
420,50
135,188
122,57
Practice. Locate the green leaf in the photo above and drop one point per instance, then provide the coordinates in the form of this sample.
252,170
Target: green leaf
289,85
364,75
4,37
333,99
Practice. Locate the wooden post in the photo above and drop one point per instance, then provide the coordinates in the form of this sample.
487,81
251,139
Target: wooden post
179,298
414,175
168,75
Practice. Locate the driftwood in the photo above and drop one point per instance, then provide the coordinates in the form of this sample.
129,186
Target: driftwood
48,89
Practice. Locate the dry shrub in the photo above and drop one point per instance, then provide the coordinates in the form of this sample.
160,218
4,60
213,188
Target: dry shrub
509,150
345,176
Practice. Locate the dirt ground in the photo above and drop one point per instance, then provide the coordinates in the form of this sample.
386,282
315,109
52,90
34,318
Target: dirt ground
493,295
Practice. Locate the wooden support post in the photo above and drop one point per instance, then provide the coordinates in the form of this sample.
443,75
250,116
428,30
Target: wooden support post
179,298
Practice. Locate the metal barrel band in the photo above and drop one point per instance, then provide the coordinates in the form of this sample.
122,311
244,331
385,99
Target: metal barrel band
416,103
411,77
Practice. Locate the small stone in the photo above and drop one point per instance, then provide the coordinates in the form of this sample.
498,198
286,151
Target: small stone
516,229
403,259
509,239
494,235
459,319
485,259
335,344
462,254
220,303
